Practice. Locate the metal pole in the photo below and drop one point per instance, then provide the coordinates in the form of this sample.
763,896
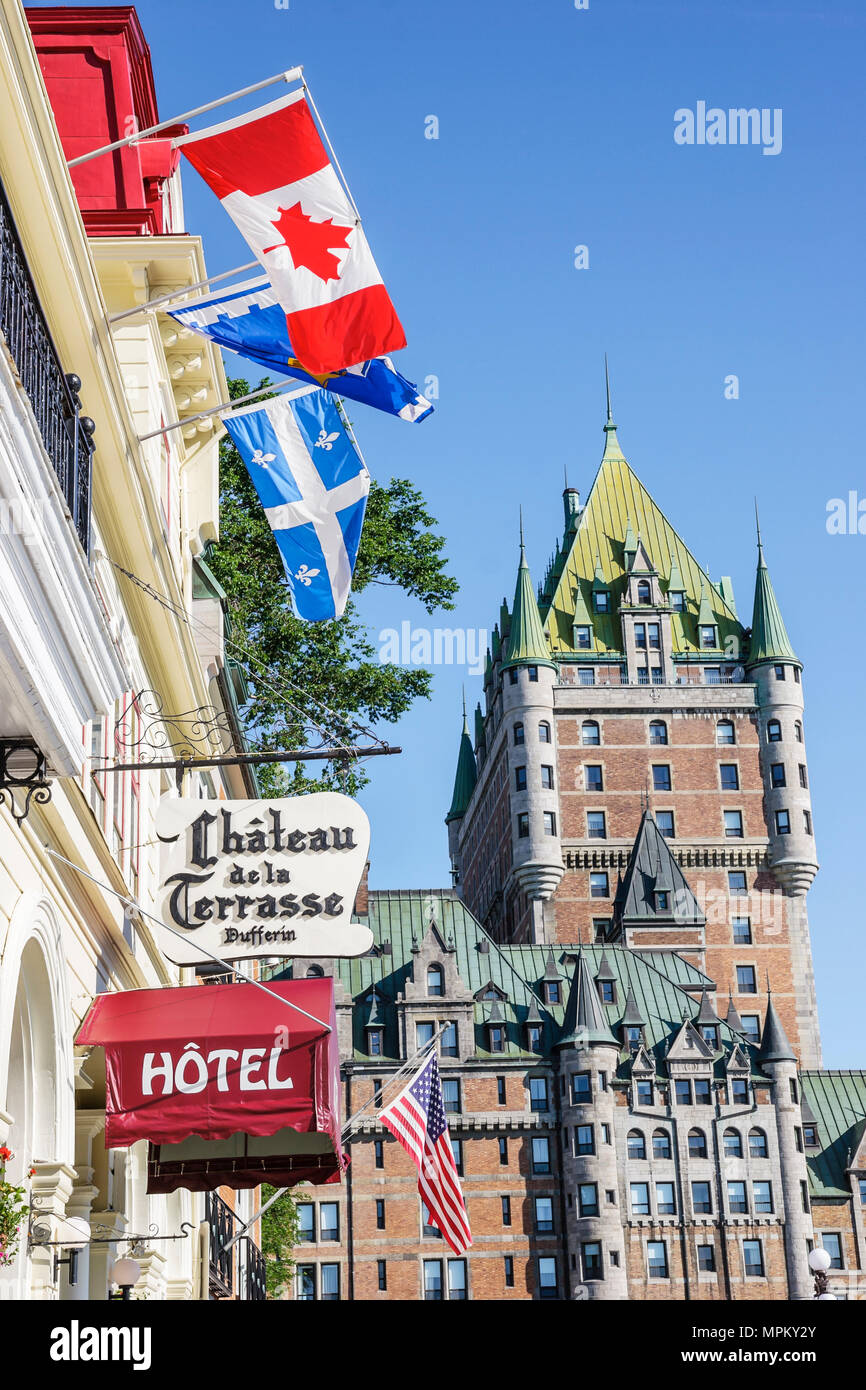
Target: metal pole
226,407
289,755
180,294
291,76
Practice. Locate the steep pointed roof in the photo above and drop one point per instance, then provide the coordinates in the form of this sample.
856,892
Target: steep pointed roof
732,1018
770,640
604,971
652,869
775,1046
585,1019
376,1016
629,544
466,776
631,1014
550,970
706,616
527,644
675,579
706,1013
479,725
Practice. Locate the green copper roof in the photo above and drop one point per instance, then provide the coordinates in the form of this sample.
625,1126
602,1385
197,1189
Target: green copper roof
838,1100
527,645
770,640
629,545
479,726
585,1019
675,579
706,616
467,774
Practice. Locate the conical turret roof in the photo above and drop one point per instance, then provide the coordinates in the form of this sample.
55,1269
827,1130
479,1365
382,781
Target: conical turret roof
585,1019
466,776
732,1018
770,640
775,1046
631,1014
527,644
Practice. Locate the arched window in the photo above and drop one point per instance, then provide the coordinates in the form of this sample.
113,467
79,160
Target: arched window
636,1144
661,1144
725,732
798,731
543,732
518,733
435,981
774,731
643,591
732,1143
757,1143
658,731
590,733
315,972
697,1143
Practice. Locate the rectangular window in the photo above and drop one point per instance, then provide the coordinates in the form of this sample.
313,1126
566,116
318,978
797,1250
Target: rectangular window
587,1198
457,1151
739,1091
330,1276
307,1219
457,1280
382,1272
379,1153
665,823
547,777
653,636
540,1154
677,601
801,769
662,901
607,992
832,1243
733,825
683,1092
742,931
746,983
777,774
702,1200
661,777
708,636
640,636
593,777
549,822
796,671
644,1093
503,1153
810,1136
605,1134
595,825
712,675
665,1204
737,881
591,1259
807,822
657,1259
380,1213
512,676
753,1258
506,1210
783,823
780,673
547,1280
329,1221
424,1033
763,1196
737,1202
509,1271
752,1027
500,1090
582,638
706,1259
523,825
538,1094
305,1283
448,1041
862,1185
584,1140
451,1095
532,672
598,886
702,1092
804,1194
640,1204
428,1226
544,1215
433,1280
729,774
586,675
656,674
643,675
520,779
581,1088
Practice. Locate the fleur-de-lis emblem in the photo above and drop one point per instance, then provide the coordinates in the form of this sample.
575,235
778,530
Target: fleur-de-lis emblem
263,459
306,576
325,440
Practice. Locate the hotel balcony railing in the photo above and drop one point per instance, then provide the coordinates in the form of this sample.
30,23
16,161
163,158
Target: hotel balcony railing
252,1286
221,1220
66,433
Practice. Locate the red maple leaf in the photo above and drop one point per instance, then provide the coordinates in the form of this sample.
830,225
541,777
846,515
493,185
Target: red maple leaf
308,241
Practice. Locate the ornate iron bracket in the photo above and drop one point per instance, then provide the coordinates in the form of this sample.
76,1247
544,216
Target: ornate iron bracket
23,776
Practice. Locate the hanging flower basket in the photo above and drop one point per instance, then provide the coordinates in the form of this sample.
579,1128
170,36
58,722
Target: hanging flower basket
14,1210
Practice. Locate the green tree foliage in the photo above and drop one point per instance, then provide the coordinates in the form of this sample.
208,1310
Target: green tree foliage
329,672
280,1235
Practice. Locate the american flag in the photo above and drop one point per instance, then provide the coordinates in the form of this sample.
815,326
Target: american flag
417,1121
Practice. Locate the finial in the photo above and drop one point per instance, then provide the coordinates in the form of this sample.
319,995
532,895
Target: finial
769,991
758,528
522,547
464,704
607,390
565,474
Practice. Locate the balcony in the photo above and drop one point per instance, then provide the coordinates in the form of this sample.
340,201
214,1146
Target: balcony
66,434
251,1286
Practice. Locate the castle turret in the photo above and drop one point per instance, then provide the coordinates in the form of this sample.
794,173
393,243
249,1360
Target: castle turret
777,1060
464,785
588,1056
528,680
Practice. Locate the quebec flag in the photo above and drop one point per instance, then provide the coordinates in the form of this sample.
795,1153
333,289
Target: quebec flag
313,486
250,320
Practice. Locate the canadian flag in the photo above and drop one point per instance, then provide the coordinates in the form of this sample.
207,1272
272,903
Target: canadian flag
273,176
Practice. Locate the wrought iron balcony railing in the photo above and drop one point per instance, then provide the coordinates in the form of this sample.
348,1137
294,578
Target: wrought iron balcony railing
221,1220
66,433
251,1264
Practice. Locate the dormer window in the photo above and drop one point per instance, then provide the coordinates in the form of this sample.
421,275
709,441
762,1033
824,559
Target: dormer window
601,601
710,1035
582,638
633,1035
607,991
662,901
374,1042
644,594
533,1037
677,601
496,1037
708,636
435,981
810,1136
490,994
552,992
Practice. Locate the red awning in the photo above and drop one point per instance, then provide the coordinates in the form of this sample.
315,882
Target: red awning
222,1061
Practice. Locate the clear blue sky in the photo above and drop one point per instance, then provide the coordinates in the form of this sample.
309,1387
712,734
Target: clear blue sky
556,129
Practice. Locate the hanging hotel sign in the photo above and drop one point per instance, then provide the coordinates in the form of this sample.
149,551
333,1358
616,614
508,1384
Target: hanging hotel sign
262,878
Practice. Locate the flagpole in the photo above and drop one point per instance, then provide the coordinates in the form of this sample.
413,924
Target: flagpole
334,159
226,406
291,75
181,293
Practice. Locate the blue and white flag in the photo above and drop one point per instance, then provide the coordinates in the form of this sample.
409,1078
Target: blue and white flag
313,486
249,320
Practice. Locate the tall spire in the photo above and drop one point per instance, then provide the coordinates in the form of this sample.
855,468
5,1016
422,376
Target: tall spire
775,1046
770,640
611,443
467,773
527,645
